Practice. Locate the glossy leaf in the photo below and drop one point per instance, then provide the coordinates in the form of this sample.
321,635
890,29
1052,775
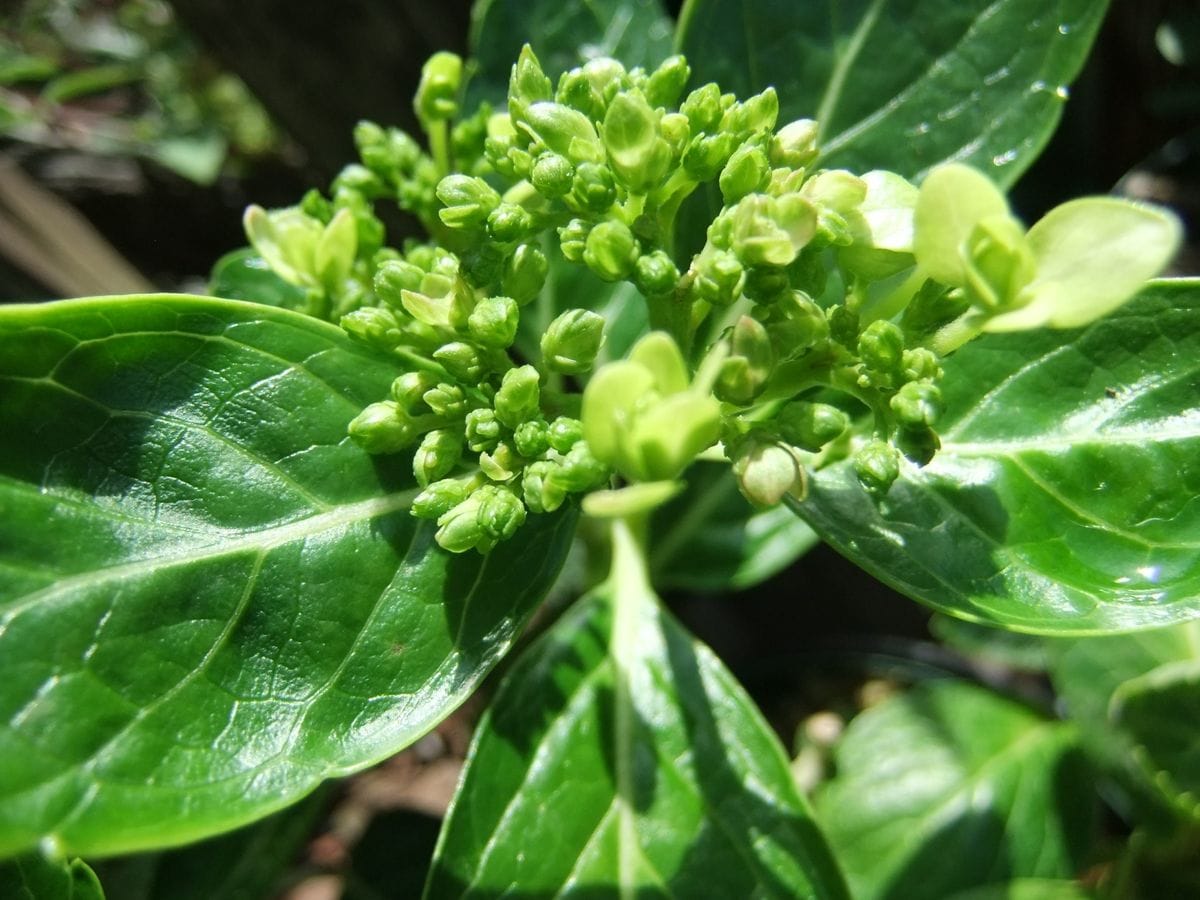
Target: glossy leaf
33,877
244,275
1132,697
563,35
711,539
1063,497
950,772
981,81
210,598
1026,889
696,801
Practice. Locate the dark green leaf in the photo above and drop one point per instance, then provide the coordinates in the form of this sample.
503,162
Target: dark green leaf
33,877
711,538
949,773
244,275
1063,498
563,35
690,797
210,598
902,84
1132,697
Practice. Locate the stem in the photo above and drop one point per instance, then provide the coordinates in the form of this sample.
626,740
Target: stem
629,585
439,146
956,333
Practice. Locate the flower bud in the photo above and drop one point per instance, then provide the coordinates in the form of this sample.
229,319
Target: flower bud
703,108
611,250
483,263
639,157
509,223
461,360
525,273
552,175
917,404
573,239
999,263
881,346
753,115
519,395
718,278
565,433
542,493
667,81
438,453
593,187
493,321
676,131
606,75
394,277
771,231
374,325
707,154
921,364
766,284
767,472
439,498
287,240
527,84
579,470
843,326
501,464
576,90
483,430
468,201
746,173
437,94
797,325
410,388
500,513
877,465
532,438
383,427
446,400
655,274
919,443
459,529
795,144
563,130
572,341
810,426
744,373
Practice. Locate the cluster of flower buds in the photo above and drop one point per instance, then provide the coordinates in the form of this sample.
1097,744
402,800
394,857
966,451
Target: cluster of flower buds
808,328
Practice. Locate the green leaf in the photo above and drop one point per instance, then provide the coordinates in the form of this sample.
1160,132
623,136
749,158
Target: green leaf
210,598
1026,889
1130,696
563,35
710,539
244,275
34,877
902,85
83,82
951,772
1063,497
681,790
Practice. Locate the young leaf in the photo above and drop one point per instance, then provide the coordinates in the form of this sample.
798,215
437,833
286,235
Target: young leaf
710,538
1062,498
637,32
667,784
979,81
210,598
949,772
33,877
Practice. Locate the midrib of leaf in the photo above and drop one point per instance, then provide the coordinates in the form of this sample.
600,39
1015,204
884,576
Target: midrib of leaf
1067,442
222,545
841,69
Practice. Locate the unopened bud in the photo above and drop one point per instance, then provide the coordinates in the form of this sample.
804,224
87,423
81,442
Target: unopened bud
593,187
917,404
501,464
810,426
572,341
795,144
552,175
437,94
410,388
383,427
881,346
524,273
611,251
527,84
667,81
877,465
565,433
519,395
718,278
468,201
532,438
703,108
639,157
655,274
500,513
446,400
493,321
373,325
438,453
395,276
461,360
509,223
745,173
541,491
573,239
766,473
439,498
483,430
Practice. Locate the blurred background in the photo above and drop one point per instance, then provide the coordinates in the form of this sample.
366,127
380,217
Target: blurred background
133,133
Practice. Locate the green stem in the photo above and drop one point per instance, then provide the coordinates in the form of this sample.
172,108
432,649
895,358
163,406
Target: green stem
956,333
439,146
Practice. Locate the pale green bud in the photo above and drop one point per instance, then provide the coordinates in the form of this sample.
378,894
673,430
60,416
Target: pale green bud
881,346
501,464
519,395
438,453
707,154
564,433
810,426
572,341
843,326
918,442
606,75
921,364
459,529
744,373
394,277
746,173
667,81
468,201
447,400
766,284
532,438
439,498
373,325
771,231
576,90
528,84
756,114
999,262
593,187
437,93
579,470
719,278
493,321
525,273
655,274
461,360
287,240
611,251
483,430
500,513
768,472
410,388
676,131
542,493
509,223
353,177
917,404
573,239
639,157
795,144
797,324
703,108
877,465
552,175
563,130
383,427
